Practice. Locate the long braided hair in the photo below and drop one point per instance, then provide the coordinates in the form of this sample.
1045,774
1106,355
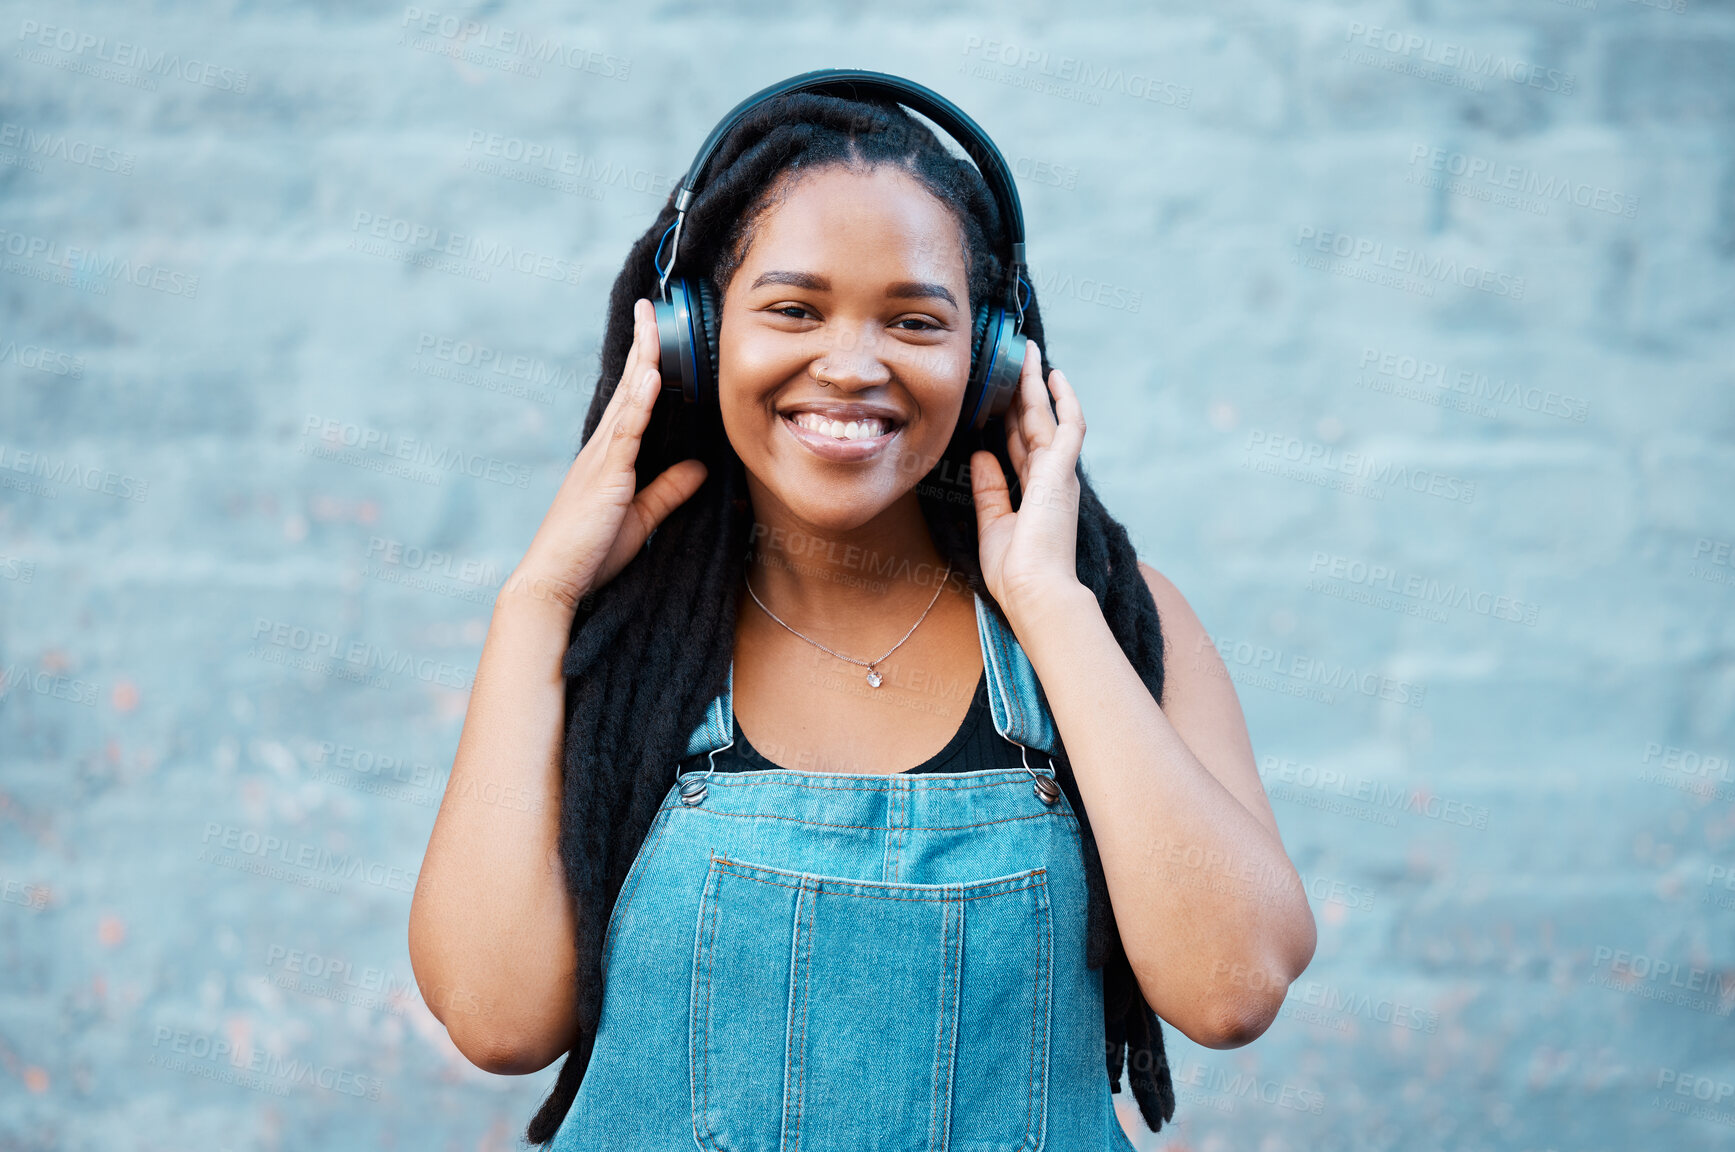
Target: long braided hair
650,649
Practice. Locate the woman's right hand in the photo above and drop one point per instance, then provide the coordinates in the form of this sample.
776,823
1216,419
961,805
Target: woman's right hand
598,522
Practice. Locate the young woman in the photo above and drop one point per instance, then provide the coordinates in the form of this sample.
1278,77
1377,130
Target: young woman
774,875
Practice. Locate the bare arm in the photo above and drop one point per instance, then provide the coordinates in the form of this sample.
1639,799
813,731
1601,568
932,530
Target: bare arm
492,928
1212,913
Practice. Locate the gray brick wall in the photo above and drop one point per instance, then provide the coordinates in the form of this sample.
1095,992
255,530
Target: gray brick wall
1403,332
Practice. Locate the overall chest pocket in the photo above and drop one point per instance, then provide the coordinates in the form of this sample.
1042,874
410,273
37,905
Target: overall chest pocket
831,1014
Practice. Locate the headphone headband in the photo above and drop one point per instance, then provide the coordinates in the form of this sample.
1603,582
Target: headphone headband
851,82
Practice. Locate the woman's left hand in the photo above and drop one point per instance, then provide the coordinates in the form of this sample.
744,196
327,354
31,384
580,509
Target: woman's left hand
1032,552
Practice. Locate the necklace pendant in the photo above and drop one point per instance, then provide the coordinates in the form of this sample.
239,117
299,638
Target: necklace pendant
873,678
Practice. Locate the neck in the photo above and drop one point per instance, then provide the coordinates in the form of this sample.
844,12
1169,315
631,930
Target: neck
844,583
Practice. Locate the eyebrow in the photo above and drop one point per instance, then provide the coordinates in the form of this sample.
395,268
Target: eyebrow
902,290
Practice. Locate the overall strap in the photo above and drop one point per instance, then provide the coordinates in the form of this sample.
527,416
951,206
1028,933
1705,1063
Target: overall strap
1019,714
717,729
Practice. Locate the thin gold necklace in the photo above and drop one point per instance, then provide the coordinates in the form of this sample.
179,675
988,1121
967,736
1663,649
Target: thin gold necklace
873,676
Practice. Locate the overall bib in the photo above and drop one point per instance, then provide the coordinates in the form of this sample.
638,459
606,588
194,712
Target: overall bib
838,962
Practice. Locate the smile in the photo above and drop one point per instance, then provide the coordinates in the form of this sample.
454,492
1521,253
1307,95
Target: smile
842,440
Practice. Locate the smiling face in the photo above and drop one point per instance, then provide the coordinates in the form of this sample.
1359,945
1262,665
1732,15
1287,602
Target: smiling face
858,279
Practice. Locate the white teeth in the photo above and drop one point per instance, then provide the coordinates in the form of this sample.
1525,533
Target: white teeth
864,429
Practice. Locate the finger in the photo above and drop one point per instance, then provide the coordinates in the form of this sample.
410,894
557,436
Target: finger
1071,412
1036,420
635,354
988,490
672,488
626,394
630,422
1017,448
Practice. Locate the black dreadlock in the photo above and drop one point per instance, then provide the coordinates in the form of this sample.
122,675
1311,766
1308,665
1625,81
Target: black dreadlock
651,649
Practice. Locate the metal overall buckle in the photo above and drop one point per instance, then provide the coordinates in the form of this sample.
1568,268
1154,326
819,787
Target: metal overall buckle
693,791
1045,787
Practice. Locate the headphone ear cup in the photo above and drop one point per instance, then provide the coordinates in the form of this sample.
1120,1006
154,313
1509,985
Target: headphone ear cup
973,387
978,328
710,316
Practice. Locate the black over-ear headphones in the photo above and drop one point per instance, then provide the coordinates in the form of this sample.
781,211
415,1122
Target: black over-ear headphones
687,314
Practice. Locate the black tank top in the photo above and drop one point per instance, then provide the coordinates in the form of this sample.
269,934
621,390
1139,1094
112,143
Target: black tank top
973,747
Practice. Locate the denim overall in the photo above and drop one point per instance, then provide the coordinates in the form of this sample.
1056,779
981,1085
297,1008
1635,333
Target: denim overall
837,962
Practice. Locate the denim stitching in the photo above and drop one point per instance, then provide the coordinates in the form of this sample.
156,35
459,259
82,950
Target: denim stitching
709,956
892,864
938,1115
1030,1075
878,827
906,899
1038,878
1029,1095
804,934
1014,699
938,781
